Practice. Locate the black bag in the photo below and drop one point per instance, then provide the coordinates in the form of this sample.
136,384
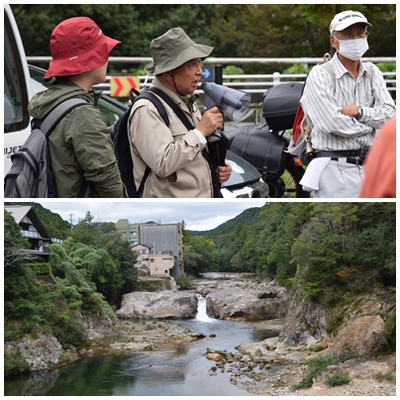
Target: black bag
31,175
261,148
119,136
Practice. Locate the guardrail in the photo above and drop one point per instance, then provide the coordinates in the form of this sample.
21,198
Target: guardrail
254,84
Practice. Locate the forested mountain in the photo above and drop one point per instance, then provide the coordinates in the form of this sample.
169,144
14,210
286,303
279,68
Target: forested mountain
247,217
330,248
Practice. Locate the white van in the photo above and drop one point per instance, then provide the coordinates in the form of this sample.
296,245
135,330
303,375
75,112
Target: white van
17,89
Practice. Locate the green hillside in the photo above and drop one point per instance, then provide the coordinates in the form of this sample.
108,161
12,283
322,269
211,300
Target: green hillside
247,217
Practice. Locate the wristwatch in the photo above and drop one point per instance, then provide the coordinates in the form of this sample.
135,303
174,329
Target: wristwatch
360,112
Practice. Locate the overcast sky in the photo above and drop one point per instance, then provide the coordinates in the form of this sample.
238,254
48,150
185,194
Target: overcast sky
198,215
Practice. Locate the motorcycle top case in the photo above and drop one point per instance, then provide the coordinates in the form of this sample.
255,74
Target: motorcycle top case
280,105
260,147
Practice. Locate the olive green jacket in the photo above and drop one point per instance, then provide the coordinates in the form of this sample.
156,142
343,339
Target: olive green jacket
80,146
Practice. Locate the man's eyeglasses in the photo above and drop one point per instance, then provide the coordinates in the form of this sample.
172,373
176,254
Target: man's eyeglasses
351,35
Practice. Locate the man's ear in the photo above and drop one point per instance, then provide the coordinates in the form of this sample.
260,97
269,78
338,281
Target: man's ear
168,75
334,42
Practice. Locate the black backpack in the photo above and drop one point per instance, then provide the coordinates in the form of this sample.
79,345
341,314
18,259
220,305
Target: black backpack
31,175
119,136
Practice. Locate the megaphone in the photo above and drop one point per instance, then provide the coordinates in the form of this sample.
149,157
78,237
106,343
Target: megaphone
232,103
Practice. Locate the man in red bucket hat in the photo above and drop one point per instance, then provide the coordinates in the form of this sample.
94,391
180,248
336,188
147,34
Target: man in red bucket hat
81,151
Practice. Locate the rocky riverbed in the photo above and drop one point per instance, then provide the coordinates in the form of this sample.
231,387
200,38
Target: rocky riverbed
253,368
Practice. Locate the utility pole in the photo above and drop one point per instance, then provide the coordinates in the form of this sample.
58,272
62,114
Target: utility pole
70,220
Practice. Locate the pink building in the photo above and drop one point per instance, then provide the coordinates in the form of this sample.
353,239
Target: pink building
159,263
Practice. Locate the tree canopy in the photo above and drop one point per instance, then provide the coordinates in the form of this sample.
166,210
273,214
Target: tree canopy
330,248
234,30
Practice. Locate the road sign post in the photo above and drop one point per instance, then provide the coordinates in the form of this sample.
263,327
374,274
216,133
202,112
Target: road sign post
208,74
212,73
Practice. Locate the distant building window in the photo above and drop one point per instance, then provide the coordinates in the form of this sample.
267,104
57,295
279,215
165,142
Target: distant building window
166,260
152,260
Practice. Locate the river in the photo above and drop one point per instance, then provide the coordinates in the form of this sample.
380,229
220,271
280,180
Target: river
175,371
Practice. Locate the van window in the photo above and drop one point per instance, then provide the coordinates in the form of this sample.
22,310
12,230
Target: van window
16,117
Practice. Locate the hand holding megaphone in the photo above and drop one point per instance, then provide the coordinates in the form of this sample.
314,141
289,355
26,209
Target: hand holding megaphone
211,121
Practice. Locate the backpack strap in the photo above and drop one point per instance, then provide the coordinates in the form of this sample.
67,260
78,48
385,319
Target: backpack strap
54,117
47,126
329,68
148,95
176,109
189,126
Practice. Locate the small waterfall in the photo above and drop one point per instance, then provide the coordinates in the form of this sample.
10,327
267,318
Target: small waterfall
202,310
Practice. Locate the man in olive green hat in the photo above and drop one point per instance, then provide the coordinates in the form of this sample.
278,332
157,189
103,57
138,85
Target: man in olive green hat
175,155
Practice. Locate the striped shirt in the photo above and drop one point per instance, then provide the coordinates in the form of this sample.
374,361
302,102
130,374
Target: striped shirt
333,130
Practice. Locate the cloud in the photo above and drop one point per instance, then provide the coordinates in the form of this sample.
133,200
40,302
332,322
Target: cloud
198,215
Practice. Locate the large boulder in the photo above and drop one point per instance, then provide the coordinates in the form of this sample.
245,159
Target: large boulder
243,306
38,353
158,305
245,300
362,337
355,329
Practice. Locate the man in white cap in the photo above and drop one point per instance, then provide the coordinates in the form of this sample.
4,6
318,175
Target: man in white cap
346,102
176,156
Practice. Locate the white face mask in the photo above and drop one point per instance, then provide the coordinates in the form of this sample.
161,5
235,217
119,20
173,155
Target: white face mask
353,49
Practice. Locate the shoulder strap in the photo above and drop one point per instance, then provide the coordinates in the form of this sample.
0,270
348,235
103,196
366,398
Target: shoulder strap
54,117
154,99
180,114
161,110
48,124
329,68
369,73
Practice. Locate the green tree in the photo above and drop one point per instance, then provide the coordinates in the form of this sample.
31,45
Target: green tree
340,249
200,255
98,267
121,253
234,30
20,283
13,239
115,274
116,20
86,232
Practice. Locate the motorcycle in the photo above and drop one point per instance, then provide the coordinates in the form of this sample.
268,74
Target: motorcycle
265,145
